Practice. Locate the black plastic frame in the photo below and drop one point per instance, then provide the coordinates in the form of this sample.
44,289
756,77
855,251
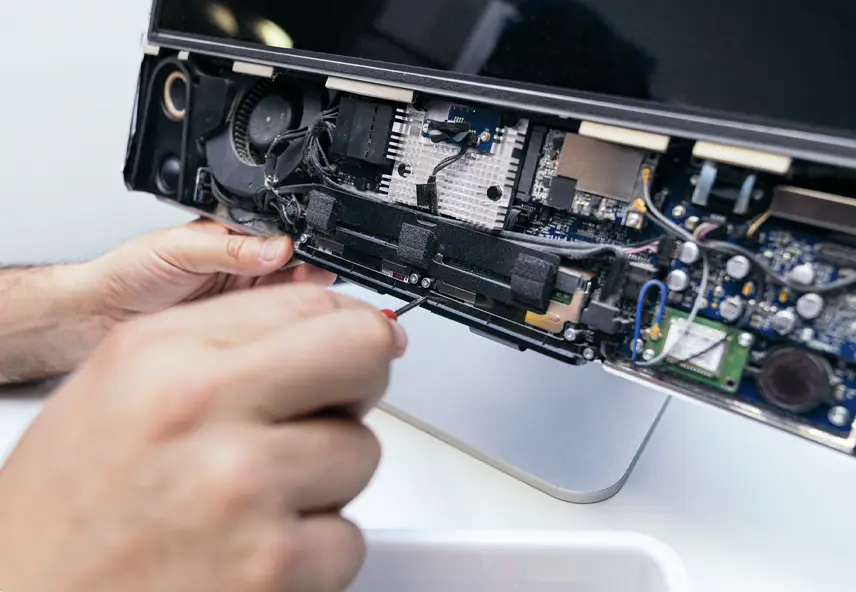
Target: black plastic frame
824,146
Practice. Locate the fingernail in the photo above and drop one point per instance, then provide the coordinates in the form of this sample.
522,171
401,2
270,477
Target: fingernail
272,250
400,336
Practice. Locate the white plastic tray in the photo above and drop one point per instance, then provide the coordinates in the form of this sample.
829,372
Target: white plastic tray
497,561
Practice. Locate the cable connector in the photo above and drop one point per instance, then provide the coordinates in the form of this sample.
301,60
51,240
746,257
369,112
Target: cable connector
603,317
426,194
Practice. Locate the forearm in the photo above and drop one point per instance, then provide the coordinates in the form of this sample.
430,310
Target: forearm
49,321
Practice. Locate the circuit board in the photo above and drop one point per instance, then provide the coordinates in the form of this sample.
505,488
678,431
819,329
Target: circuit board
584,204
706,351
483,124
578,240
785,248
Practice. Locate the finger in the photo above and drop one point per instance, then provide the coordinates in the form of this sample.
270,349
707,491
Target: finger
207,251
300,274
249,315
325,462
209,226
330,554
331,361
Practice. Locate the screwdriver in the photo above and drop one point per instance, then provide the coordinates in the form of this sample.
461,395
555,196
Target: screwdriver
394,315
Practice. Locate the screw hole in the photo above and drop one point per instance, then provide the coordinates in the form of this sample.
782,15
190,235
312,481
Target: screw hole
494,193
404,170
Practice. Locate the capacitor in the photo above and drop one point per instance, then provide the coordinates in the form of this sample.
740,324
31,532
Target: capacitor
803,274
738,267
784,322
810,306
692,222
689,253
731,309
678,280
806,334
748,289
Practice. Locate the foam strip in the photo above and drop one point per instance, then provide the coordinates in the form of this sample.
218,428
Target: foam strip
624,136
751,159
368,89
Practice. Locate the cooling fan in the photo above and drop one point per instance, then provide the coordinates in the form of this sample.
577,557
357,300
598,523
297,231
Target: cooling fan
236,156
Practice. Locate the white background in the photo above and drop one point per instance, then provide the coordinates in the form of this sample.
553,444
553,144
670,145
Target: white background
746,507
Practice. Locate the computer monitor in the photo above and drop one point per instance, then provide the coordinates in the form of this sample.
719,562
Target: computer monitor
664,187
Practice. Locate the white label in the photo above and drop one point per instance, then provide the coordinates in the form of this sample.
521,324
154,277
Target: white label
683,344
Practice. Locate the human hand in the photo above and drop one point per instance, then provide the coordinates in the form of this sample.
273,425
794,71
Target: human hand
192,262
209,447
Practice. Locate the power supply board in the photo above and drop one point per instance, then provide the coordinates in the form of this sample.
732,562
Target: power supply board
711,271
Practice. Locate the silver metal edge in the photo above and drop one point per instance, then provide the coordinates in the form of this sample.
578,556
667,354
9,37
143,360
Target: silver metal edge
847,445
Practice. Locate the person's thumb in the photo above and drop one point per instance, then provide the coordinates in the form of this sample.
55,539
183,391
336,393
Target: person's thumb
206,253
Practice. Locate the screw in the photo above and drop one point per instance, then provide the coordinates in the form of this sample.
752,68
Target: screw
414,278
571,334
839,416
648,355
426,283
304,238
485,137
746,340
679,212
588,354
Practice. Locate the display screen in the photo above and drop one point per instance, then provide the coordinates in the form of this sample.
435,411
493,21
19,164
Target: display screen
791,61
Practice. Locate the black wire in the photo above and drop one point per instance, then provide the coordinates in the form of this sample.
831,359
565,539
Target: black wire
699,354
468,142
447,162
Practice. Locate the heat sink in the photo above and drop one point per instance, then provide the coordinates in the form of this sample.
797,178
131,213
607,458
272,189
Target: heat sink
477,189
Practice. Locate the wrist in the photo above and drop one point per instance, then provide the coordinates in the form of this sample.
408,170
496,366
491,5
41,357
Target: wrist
79,294
52,320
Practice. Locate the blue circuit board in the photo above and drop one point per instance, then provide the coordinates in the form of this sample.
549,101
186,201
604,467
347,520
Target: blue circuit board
833,334
482,123
784,247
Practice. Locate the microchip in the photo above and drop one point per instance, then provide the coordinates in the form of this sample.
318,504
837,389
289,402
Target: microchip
601,168
683,344
562,192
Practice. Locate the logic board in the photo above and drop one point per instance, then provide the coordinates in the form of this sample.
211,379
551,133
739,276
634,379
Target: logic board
717,273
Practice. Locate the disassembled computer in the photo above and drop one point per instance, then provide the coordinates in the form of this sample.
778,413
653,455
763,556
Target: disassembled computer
715,262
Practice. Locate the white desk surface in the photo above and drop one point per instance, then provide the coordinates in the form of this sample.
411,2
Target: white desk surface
746,507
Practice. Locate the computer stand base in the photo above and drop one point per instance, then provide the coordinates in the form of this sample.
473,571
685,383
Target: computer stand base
572,432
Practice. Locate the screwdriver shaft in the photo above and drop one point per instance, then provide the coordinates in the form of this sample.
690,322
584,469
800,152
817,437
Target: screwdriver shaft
408,307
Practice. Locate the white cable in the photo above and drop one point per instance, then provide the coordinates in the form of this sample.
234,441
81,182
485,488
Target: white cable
688,323
652,209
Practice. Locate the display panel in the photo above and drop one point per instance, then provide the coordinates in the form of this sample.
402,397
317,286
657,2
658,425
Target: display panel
787,61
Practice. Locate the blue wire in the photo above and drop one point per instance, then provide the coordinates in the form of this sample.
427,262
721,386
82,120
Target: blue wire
640,304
